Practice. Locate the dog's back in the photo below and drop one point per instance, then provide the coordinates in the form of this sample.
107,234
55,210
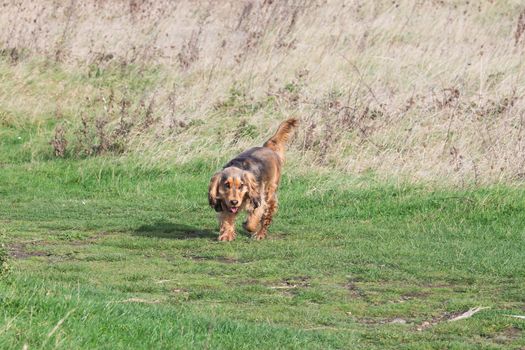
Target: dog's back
265,162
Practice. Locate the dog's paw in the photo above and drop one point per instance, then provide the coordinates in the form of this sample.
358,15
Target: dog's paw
259,236
225,237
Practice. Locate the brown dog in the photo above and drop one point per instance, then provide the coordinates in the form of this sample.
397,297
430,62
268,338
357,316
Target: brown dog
250,182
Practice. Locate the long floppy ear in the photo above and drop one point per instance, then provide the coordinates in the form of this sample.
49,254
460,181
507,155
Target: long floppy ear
253,189
213,190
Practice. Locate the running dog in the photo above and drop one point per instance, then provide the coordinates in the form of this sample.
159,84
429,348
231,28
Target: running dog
249,182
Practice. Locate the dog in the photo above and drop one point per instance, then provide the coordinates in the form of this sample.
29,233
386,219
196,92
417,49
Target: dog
249,182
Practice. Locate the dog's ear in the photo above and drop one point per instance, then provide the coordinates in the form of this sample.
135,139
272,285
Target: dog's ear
253,189
213,191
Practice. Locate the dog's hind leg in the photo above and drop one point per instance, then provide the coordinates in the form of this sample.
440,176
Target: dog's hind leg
266,220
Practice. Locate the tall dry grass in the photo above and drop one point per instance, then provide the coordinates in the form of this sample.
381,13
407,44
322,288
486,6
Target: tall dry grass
419,89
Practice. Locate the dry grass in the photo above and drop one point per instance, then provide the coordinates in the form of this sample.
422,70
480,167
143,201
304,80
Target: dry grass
420,89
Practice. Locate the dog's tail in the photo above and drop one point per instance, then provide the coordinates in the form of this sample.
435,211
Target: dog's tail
278,141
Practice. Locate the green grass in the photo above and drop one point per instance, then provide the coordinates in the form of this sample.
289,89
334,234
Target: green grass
108,254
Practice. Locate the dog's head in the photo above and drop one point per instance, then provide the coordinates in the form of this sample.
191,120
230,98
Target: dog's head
230,188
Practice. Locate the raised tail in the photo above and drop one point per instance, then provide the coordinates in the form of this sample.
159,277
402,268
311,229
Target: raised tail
278,141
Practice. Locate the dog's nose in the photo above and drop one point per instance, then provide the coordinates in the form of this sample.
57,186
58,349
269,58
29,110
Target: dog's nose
234,202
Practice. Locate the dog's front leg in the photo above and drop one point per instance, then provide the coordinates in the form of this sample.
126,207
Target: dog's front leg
253,220
227,222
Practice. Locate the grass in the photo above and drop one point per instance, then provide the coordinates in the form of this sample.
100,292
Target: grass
109,254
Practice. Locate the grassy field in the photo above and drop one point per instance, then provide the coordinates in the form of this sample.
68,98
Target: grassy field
402,206
107,254
425,90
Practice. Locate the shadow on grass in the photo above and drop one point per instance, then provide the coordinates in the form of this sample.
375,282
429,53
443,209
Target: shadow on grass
174,231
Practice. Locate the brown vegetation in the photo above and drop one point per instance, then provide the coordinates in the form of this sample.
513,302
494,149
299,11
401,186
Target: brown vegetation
424,89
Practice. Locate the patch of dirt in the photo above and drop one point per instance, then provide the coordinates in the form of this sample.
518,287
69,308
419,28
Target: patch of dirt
444,317
437,319
448,317
19,251
288,285
221,259
382,321
508,335
512,332
355,291
398,320
297,281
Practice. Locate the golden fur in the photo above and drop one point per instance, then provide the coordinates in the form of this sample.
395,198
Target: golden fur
249,182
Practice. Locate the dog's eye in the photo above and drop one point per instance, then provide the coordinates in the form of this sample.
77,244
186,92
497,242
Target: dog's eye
227,185
242,186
